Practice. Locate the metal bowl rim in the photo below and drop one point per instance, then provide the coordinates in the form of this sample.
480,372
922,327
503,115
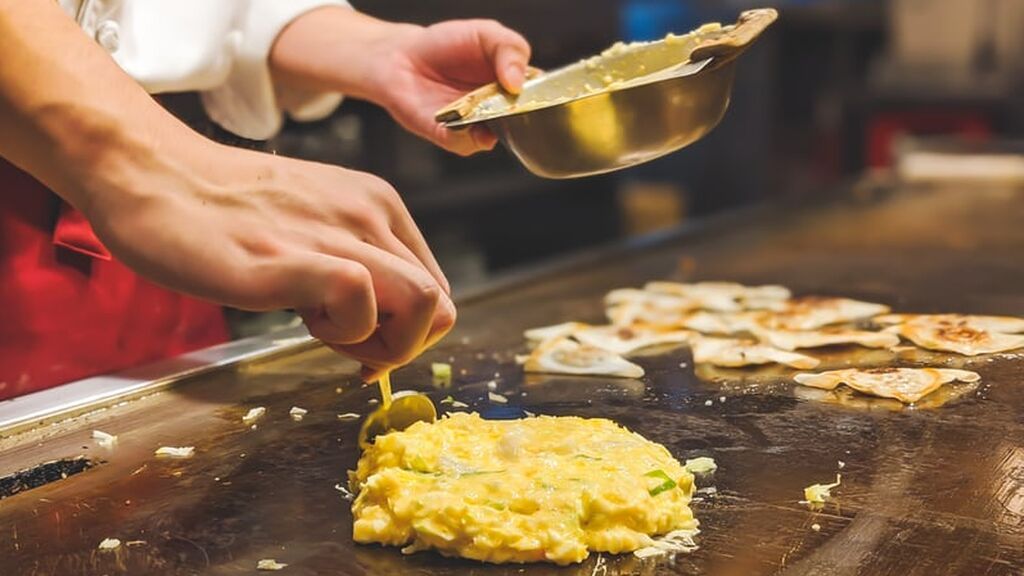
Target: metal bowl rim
638,82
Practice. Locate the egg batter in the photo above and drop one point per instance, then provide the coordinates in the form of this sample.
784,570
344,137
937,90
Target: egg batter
537,489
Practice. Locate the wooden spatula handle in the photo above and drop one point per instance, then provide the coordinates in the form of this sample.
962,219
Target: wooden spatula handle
462,107
735,41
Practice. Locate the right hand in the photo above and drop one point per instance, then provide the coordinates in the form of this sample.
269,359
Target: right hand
262,232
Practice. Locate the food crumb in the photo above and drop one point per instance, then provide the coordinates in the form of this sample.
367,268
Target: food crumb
254,414
442,374
348,416
701,465
816,527
492,385
709,402
103,439
819,493
841,464
721,399
109,544
297,413
270,564
176,451
497,398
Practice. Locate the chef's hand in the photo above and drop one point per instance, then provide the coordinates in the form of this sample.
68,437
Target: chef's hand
261,232
412,71
427,68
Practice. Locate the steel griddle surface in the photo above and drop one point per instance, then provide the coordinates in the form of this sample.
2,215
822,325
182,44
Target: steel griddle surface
925,492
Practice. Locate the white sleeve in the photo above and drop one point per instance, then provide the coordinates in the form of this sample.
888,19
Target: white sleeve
246,103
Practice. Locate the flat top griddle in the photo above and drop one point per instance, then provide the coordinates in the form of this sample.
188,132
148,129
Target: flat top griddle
924,492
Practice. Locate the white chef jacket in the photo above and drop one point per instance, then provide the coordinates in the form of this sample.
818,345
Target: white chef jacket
219,48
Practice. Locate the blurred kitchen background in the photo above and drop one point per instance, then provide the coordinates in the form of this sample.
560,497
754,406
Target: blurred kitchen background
837,91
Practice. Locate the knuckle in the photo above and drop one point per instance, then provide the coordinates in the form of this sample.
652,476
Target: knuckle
355,279
360,217
424,294
258,286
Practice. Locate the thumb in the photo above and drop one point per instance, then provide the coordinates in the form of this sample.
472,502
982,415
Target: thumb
508,52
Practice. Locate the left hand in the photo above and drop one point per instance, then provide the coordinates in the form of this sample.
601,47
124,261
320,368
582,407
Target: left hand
425,69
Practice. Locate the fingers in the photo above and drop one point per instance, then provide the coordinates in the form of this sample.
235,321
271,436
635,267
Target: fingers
373,370
508,52
348,310
412,310
334,296
463,142
402,237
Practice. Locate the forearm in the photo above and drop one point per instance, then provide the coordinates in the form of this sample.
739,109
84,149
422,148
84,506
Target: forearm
69,114
334,49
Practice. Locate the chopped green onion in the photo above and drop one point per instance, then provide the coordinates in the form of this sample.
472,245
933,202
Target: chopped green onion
496,505
447,400
587,457
442,374
668,483
481,472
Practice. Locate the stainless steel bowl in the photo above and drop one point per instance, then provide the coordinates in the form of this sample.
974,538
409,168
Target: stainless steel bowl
632,104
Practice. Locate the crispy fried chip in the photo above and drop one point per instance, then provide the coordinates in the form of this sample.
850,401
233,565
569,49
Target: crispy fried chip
908,385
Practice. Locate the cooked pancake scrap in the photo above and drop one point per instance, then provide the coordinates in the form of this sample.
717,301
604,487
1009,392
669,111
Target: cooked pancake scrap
795,339
1004,324
539,489
617,339
908,385
723,296
651,314
734,353
813,312
967,335
628,339
722,322
566,356
636,295
546,333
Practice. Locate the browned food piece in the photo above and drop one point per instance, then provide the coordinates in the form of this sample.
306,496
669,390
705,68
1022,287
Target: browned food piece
908,385
795,339
566,356
723,296
628,339
952,333
1004,324
734,353
813,312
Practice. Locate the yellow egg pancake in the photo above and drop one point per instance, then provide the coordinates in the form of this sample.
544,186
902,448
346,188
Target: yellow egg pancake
537,489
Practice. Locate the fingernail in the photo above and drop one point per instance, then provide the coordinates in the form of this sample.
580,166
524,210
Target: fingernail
515,75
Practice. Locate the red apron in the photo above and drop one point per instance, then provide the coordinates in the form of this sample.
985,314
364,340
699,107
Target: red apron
67,309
